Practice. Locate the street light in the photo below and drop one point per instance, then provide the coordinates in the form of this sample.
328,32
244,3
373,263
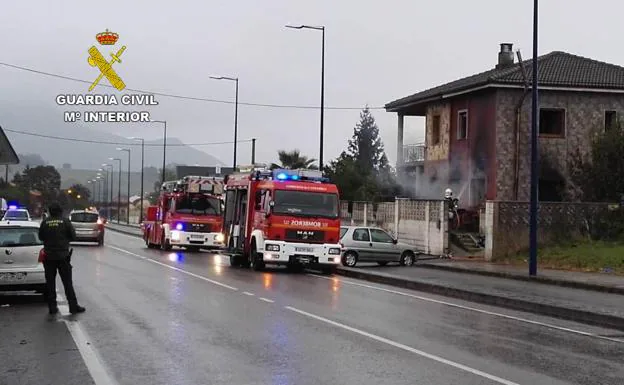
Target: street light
142,177
164,122
322,29
128,213
118,188
235,113
109,200
534,153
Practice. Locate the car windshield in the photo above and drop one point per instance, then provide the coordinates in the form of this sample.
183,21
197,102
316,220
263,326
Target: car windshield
19,236
84,217
16,215
198,205
302,203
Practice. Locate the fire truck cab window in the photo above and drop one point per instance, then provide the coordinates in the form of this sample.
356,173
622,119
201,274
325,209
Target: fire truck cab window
198,205
306,203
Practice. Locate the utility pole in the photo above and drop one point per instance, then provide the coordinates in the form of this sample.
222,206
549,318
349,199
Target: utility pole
253,151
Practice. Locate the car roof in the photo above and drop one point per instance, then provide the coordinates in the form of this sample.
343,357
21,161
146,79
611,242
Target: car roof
350,227
17,210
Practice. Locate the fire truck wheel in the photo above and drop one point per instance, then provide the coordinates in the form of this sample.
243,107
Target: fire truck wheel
235,261
256,259
164,244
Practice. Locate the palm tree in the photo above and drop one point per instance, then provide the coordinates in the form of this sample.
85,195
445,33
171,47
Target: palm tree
293,160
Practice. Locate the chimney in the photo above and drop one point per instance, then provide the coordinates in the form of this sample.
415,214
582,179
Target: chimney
505,56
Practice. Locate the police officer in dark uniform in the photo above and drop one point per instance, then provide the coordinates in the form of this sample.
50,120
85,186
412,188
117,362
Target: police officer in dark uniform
56,232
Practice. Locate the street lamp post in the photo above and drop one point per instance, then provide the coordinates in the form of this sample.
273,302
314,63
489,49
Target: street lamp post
104,191
322,29
164,122
109,195
118,189
142,175
129,164
534,152
235,114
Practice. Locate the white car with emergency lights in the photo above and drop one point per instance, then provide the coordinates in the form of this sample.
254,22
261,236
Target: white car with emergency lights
20,269
16,214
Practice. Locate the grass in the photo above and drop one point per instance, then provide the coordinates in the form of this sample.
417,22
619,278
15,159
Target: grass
587,257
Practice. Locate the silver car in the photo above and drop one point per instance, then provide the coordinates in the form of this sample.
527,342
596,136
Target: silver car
20,269
372,244
88,225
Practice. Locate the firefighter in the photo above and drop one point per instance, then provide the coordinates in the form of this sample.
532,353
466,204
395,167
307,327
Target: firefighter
56,233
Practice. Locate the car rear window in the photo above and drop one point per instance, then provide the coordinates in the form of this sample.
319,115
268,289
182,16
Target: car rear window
343,231
84,217
15,214
19,236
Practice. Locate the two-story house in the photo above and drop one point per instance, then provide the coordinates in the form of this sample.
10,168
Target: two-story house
477,139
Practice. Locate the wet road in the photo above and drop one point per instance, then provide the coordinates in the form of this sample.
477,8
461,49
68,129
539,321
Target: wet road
189,318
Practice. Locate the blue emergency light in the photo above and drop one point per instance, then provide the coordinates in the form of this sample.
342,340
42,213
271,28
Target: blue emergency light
299,175
12,207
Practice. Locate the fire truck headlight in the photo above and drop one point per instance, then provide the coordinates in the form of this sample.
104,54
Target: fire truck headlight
219,238
175,235
179,226
272,247
334,251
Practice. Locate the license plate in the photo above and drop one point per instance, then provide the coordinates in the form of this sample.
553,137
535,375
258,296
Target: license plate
304,249
197,236
12,277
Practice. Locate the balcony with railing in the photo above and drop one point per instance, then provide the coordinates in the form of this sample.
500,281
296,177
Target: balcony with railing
413,154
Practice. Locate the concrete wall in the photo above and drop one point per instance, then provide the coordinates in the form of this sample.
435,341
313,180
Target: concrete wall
507,224
421,223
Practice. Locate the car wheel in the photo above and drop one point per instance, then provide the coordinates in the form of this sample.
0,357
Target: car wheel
349,259
407,258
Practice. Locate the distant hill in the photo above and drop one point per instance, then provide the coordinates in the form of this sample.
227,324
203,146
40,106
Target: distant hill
44,120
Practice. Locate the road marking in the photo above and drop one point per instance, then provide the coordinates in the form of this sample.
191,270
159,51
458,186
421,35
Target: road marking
248,293
404,347
91,359
451,304
175,268
266,299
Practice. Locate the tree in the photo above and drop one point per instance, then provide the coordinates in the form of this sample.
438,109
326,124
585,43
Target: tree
598,176
362,172
45,179
293,160
366,145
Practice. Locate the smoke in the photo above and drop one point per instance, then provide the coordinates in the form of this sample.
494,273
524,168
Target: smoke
466,161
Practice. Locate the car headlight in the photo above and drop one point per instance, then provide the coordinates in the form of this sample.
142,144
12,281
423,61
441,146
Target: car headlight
175,235
219,238
271,247
334,251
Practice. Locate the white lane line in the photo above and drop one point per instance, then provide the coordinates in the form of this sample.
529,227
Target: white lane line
175,268
532,322
248,293
266,299
91,359
404,347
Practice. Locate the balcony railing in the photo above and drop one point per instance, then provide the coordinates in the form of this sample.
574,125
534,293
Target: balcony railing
413,153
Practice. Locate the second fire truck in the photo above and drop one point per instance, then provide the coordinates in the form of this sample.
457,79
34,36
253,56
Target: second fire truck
282,217
188,214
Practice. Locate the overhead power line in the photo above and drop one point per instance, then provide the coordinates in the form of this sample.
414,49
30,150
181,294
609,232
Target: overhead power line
129,143
176,96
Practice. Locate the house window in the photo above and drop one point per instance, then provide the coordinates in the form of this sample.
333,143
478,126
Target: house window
610,120
552,122
435,130
462,125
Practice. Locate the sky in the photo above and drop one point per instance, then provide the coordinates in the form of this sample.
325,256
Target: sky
375,52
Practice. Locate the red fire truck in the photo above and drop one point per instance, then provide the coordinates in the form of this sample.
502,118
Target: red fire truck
188,214
282,217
